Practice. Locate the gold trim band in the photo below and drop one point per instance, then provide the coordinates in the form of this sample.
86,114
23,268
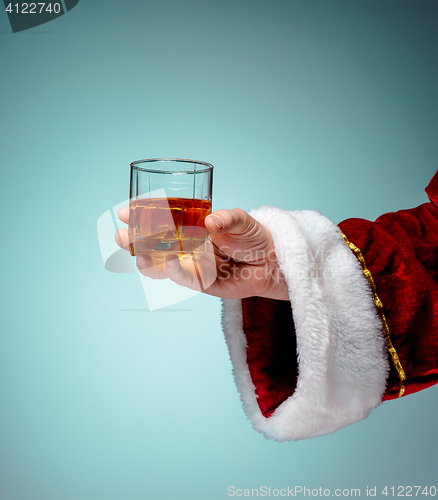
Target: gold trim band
379,305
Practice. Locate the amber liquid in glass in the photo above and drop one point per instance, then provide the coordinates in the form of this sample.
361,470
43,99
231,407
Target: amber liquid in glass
163,225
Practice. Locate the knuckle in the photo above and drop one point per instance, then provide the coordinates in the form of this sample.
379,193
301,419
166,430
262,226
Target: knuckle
243,220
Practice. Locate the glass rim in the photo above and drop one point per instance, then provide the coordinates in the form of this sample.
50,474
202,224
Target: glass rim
181,160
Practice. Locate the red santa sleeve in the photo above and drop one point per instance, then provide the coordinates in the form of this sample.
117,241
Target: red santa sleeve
361,326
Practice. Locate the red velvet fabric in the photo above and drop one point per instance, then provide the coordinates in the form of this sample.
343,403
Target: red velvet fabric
271,350
401,251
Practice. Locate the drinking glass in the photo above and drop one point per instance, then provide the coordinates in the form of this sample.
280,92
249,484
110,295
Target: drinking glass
169,200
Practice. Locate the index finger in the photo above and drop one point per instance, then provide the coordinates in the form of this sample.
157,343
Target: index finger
124,215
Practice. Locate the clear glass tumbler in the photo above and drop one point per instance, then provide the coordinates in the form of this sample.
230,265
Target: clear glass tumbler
169,200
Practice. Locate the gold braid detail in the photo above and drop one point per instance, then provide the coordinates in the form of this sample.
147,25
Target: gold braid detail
379,305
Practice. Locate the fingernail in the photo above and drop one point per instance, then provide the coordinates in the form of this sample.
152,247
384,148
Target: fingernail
141,263
218,221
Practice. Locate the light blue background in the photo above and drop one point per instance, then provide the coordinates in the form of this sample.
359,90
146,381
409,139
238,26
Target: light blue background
328,105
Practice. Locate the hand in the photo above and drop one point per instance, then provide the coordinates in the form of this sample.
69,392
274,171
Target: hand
242,261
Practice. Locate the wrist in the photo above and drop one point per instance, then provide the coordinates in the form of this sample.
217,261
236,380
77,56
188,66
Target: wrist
276,285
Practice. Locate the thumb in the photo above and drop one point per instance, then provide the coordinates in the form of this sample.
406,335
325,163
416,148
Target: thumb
238,234
236,221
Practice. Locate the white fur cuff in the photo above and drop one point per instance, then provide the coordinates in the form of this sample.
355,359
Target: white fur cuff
342,362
